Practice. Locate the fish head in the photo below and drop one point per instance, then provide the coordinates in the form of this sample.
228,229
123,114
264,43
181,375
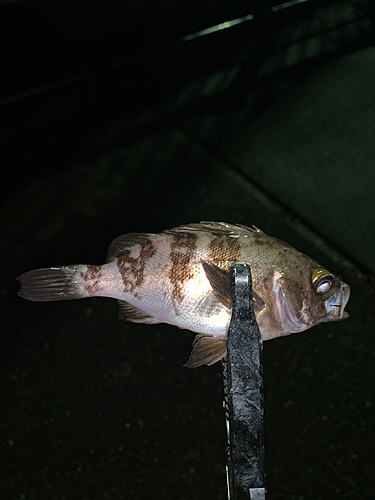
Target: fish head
333,294
307,295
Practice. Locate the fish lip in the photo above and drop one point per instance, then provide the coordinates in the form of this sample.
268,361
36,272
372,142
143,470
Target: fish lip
335,305
345,294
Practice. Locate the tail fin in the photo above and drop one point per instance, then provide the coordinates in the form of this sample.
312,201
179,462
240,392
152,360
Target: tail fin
52,283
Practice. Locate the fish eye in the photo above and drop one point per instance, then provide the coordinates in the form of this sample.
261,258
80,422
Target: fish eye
323,287
322,280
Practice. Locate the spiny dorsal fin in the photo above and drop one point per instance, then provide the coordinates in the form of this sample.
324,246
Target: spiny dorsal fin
221,286
219,228
206,350
127,312
123,243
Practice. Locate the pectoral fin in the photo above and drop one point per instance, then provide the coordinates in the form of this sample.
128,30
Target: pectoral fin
206,350
221,286
220,282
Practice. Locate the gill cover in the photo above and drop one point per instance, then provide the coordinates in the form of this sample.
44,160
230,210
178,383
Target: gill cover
288,318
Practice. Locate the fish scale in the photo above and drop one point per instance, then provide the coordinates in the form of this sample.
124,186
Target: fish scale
181,277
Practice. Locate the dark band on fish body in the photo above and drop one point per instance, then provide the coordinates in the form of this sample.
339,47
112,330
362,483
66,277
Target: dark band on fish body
132,269
183,247
225,249
92,275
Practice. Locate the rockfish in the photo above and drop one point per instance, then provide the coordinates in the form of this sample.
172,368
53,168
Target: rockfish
181,277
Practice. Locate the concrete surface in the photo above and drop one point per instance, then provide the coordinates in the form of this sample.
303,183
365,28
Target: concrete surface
96,408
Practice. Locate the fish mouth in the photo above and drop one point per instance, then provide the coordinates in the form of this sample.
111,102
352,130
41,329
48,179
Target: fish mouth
335,305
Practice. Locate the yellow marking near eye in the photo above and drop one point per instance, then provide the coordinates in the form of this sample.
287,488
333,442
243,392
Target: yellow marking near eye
318,273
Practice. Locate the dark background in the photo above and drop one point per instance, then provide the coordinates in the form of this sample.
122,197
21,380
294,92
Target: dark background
119,117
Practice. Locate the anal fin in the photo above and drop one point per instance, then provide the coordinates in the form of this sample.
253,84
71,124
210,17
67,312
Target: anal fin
206,350
127,312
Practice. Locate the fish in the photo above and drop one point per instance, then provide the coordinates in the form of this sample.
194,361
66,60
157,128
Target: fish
181,277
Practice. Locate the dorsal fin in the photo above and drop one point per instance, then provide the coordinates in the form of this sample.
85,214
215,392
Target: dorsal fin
206,350
123,243
218,228
127,312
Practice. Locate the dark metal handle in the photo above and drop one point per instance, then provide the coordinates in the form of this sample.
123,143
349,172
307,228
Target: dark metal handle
243,394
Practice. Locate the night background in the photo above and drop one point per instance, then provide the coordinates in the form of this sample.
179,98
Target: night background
122,117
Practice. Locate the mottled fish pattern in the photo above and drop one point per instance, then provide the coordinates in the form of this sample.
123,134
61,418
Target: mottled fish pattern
181,277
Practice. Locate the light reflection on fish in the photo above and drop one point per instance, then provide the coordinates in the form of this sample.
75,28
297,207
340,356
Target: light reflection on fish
181,277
